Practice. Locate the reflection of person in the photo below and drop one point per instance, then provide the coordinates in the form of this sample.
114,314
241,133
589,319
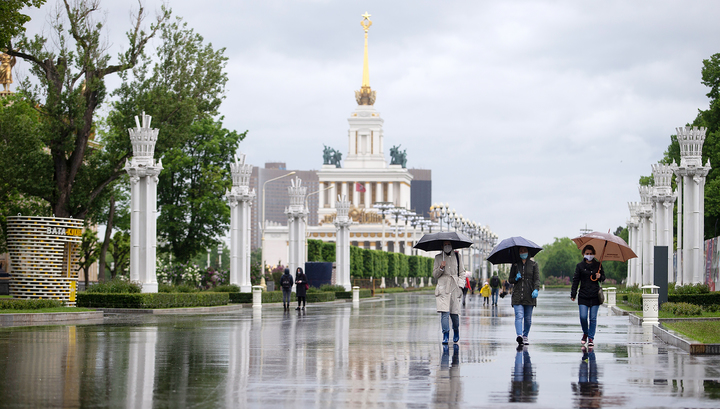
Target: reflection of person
485,292
587,275
286,283
449,274
6,64
523,387
495,288
450,391
525,277
300,287
588,389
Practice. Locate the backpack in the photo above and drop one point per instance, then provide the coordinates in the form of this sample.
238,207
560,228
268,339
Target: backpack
495,282
286,281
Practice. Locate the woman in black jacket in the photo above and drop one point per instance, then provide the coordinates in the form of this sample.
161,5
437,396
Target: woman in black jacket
589,274
300,287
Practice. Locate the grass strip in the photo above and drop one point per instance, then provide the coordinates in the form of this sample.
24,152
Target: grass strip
45,310
707,332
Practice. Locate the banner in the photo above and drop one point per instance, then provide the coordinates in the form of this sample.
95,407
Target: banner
712,263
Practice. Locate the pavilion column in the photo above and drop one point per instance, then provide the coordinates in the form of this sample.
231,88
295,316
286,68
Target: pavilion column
379,192
321,195
693,173
633,224
240,200
645,213
391,194
297,214
663,200
342,243
143,171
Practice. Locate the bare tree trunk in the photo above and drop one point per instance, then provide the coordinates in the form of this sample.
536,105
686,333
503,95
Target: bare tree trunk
106,242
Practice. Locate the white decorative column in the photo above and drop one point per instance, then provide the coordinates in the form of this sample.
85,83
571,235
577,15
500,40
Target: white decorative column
342,243
633,224
691,173
664,199
297,223
143,171
240,199
645,214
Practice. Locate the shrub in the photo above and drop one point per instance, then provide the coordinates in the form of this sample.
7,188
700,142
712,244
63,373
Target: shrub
314,250
635,300
212,278
115,286
333,288
689,289
230,288
328,252
712,308
180,273
697,299
18,304
150,300
682,308
552,280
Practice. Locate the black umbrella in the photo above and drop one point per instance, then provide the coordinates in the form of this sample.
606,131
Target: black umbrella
507,250
434,241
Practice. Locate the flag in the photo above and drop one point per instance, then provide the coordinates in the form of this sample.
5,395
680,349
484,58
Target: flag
359,187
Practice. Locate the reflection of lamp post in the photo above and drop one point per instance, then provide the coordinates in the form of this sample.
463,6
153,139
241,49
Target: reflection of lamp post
262,272
307,232
383,208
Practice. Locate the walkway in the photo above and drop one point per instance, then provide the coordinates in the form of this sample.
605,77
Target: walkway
386,353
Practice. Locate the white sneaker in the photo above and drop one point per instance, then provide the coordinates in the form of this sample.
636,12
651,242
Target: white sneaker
526,341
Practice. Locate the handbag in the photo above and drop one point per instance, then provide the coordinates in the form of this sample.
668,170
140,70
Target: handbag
307,286
601,295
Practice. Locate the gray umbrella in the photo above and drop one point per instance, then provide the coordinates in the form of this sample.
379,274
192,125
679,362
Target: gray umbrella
434,241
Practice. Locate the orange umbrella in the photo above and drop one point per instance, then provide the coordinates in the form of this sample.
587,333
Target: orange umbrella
608,246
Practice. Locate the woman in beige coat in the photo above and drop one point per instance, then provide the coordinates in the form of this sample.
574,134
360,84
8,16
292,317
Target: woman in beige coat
449,274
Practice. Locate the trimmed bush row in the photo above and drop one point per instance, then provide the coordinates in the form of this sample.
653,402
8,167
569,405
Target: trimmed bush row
697,299
276,296
682,308
151,300
16,304
366,263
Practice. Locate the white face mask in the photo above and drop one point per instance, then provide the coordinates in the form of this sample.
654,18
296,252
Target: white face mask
447,248
589,257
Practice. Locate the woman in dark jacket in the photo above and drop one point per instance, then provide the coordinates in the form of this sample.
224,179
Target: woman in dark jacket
525,277
589,278
300,287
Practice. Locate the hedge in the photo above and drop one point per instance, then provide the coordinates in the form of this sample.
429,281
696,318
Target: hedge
347,295
276,296
19,304
697,299
328,252
151,300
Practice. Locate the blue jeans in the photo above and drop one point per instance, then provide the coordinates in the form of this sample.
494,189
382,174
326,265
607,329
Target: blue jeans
523,319
589,330
495,293
286,295
445,322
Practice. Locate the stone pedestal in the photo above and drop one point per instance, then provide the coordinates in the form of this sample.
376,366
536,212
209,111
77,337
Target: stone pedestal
611,296
143,171
240,201
257,296
650,304
356,294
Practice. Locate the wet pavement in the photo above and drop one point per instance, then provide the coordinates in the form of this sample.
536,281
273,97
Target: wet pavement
384,353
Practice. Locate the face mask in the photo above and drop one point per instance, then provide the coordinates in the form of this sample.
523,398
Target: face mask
589,257
447,248
523,256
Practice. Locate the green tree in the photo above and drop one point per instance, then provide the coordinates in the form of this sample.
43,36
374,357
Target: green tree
559,258
119,249
89,250
12,20
615,269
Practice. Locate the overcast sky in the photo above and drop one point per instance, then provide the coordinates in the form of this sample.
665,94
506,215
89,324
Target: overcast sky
536,117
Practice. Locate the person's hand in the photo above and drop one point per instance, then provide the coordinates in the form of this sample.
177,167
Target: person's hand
442,264
534,294
572,298
518,277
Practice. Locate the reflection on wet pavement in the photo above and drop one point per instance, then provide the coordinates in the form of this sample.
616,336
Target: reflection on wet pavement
386,352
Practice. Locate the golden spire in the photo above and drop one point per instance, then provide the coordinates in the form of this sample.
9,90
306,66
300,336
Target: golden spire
365,96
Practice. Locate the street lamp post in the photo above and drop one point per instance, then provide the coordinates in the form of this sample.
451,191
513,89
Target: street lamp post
262,272
383,208
307,233
397,212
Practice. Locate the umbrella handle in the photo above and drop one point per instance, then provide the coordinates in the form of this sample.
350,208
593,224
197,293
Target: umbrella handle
591,276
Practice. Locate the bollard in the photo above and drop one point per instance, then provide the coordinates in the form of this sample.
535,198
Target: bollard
422,282
650,304
356,294
543,287
610,296
257,295
382,282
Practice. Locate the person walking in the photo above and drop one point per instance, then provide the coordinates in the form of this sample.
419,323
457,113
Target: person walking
525,278
449,274
495,288
485,292
286,283
588,274
301,287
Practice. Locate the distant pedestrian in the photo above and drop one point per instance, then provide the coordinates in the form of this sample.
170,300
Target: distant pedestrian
473,283
588,274
301,287
465,289
525,277
286,283
495,288
485,292
449,273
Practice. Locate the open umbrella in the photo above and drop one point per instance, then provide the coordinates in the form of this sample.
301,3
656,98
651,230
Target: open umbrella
607,246
507,250
434,241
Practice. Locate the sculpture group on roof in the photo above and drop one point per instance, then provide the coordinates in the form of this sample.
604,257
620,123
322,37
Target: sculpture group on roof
397,157
331,156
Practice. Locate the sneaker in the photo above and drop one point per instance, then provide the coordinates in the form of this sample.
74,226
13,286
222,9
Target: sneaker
584,339
526,341
519,340
590,342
